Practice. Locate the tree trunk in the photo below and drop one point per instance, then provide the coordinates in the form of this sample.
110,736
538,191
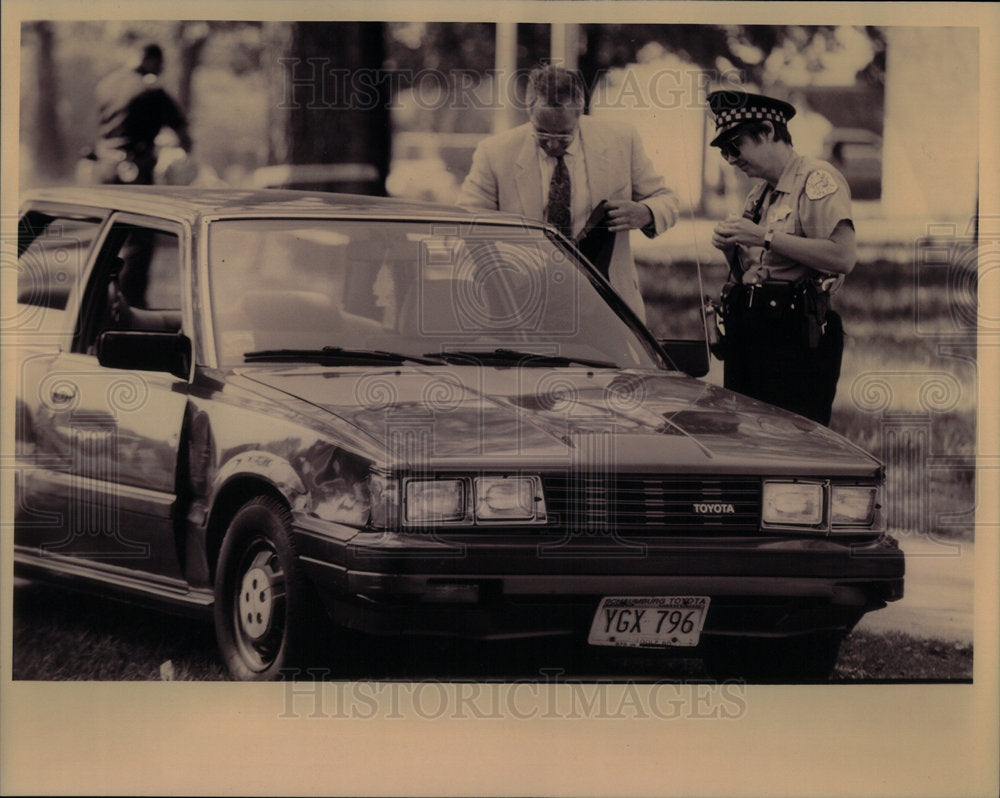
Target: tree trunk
331,105
191,40
49,146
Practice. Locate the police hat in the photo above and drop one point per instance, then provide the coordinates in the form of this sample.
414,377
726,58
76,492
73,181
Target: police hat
736,107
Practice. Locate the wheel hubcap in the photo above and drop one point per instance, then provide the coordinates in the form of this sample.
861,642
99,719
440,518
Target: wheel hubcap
256,601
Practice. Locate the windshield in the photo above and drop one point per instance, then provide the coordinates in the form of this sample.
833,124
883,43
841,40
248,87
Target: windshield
410,288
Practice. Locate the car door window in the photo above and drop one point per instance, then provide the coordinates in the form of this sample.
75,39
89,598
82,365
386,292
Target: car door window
136,285
52,254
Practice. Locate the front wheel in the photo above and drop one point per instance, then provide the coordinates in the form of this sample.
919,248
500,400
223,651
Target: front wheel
263,616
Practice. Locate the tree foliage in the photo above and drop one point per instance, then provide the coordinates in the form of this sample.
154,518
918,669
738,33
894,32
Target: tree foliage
746,54
62,62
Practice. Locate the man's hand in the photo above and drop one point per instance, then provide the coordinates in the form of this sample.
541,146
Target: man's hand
731,232
627,215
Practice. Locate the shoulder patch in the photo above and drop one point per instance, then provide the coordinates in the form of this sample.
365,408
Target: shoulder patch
820,184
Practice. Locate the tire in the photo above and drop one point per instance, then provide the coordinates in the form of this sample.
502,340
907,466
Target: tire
803,658
265,622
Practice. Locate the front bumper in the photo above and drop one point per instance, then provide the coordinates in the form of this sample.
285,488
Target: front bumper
492,586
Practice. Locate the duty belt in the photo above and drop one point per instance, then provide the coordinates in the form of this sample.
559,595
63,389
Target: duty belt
803,299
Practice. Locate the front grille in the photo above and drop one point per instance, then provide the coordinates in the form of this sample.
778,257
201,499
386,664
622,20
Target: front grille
666,505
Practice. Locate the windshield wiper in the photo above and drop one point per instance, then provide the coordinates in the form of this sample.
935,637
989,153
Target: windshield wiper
334,354
512,357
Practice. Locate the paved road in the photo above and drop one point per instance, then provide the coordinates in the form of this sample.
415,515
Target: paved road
938,593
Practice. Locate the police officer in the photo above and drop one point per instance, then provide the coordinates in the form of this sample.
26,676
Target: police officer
791,247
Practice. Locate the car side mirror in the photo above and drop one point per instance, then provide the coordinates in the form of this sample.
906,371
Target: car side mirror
145,351
690,356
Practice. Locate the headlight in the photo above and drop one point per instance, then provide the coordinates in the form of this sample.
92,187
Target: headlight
792,503
442,501
854,505
468,501
509,499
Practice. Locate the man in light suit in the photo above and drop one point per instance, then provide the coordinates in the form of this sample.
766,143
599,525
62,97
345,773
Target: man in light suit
560,165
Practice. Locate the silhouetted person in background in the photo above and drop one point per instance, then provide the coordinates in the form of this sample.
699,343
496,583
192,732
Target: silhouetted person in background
133,108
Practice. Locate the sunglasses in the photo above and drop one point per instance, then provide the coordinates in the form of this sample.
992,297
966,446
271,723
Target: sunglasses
731,147
555,138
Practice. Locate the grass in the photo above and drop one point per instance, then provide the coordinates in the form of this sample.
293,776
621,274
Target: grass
928,457
62,635
880,301
897,656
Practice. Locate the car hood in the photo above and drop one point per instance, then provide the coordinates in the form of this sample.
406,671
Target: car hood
628,420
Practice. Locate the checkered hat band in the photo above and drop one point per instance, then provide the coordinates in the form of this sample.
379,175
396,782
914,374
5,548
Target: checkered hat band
737,116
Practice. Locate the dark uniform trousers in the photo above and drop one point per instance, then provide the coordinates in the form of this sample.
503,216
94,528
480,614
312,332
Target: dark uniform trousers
771,354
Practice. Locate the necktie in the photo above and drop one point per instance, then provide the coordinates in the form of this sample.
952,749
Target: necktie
557,212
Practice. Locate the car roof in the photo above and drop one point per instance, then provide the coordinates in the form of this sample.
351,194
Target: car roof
193,203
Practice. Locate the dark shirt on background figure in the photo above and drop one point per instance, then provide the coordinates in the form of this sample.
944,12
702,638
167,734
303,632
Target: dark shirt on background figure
133,108
792,247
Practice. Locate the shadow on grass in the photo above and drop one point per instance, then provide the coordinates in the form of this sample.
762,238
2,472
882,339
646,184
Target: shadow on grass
64,635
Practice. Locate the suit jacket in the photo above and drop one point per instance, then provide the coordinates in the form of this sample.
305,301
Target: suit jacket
505,176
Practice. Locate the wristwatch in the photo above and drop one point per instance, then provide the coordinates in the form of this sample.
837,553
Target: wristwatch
768,237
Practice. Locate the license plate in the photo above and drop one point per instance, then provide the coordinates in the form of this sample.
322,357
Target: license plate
648,621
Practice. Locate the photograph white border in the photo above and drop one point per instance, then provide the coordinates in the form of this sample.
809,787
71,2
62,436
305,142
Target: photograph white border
200,738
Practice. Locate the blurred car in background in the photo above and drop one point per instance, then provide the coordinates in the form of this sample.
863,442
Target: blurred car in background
352,178
424,178
857,153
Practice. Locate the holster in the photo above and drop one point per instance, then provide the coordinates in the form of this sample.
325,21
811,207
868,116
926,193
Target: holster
815,305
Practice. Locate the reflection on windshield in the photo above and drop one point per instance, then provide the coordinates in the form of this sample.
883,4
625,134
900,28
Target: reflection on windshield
409,288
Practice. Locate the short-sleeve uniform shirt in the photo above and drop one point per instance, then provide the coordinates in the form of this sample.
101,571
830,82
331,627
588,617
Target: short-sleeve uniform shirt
810,199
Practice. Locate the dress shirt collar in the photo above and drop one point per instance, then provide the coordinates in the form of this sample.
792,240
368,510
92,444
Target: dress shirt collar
787,180
573,149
